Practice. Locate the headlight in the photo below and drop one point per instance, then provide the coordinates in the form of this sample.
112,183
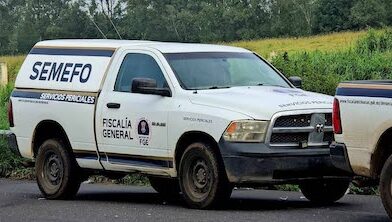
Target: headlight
246,131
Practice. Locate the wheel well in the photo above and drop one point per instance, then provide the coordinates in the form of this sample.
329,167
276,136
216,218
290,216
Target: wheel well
190,137
382,153
45,130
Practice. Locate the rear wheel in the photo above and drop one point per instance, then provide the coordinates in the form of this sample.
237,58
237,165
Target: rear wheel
324,191
202,177
386,186
58,175
166,187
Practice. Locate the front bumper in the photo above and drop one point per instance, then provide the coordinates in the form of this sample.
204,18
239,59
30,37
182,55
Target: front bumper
339,157
254,163
11,141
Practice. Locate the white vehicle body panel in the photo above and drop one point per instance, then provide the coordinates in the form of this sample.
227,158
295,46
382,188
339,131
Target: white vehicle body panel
364,120
256,98
72,72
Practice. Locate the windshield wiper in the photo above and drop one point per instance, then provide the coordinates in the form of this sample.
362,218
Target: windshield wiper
219,87
262,84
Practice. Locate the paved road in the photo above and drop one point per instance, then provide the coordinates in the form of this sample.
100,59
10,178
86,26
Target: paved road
21,201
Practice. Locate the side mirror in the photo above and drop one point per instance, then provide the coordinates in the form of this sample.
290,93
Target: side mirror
296,81
148,86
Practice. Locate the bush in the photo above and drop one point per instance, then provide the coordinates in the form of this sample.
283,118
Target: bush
8,161
375,42
321,72
5,93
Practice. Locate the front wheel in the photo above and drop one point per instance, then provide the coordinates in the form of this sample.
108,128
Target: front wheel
324,191
386,186
57,173
203,180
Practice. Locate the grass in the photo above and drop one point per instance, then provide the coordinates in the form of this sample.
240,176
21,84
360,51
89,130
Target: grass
324,43
265,47
13,63
370,57
5,92
8,161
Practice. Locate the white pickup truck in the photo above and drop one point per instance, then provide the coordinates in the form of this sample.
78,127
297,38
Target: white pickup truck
362,120
196,119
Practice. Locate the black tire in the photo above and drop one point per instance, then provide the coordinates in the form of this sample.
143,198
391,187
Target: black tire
58,175
386,186
324,191
166,187
202,177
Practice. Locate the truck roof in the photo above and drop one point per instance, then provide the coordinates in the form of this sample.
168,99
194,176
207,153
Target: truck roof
164,47
80,64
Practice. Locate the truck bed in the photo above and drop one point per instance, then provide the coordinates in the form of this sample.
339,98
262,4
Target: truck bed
371,82
366,88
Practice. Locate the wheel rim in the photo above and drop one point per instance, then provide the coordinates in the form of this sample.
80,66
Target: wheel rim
53,171
199,178
199,174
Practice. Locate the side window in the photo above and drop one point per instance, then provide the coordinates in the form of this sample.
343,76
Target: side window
138,66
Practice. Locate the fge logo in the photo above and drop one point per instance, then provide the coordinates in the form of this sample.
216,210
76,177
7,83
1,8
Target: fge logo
144,132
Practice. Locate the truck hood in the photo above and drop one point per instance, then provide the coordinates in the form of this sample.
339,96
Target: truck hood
261,102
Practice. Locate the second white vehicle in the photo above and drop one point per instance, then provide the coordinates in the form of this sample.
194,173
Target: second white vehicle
197,119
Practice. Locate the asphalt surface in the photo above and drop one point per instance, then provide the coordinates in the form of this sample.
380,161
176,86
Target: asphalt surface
22,201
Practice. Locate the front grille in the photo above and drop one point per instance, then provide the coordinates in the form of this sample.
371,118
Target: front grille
328,137
302,129
328,119
289,138
293,121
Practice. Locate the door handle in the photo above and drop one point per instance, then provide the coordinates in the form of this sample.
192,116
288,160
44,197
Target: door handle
113,105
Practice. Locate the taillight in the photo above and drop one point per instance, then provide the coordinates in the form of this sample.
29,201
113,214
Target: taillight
10,114
337,124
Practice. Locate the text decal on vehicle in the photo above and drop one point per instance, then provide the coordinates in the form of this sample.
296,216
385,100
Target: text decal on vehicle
54,96
61,72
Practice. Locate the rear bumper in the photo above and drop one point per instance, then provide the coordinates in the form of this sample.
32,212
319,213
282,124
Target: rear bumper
12,143
251,163
340,158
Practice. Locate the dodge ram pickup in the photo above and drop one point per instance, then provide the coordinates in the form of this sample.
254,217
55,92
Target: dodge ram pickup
362,120
196,119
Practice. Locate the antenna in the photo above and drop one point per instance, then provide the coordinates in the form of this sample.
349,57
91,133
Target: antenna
107,16
96,26
114,26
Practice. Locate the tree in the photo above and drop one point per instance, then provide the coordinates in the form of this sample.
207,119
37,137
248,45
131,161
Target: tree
72,23
29,21
292,18
332,15
306,7
9,11
388,8
107,13
368,13
5,24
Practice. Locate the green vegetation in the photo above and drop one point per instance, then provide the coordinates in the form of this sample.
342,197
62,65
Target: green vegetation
8,161
4,96
13,64
26,22
369,58
325,43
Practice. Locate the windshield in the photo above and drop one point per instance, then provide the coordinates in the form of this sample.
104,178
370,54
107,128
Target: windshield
213,70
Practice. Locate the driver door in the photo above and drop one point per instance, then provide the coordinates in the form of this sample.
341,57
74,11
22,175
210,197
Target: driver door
132,127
